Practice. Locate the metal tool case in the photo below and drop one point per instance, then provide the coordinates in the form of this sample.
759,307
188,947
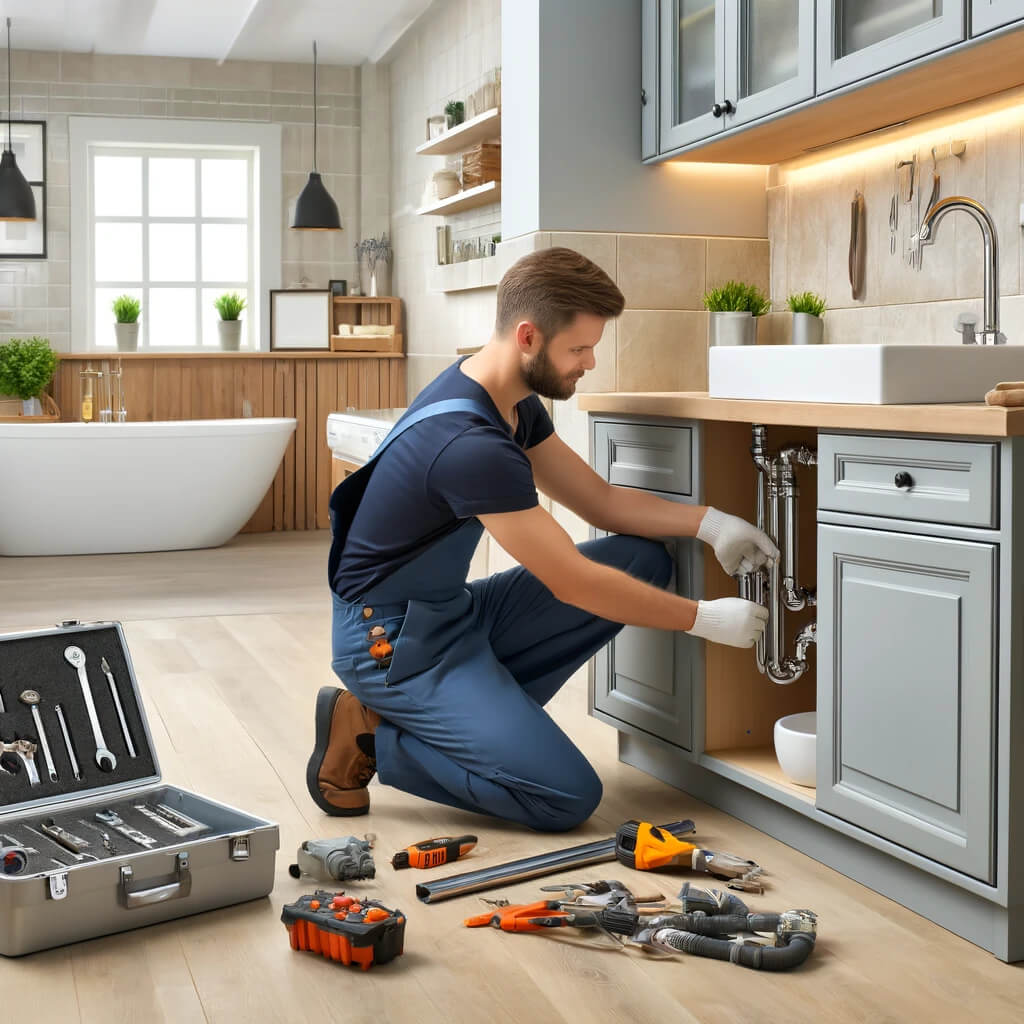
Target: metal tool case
92,841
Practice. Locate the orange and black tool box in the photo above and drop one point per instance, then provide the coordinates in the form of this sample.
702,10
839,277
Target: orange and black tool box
364,932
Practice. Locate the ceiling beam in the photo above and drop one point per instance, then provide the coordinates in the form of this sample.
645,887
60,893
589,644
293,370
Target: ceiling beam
251,7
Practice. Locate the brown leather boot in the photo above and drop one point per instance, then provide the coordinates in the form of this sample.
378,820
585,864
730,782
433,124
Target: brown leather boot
338,769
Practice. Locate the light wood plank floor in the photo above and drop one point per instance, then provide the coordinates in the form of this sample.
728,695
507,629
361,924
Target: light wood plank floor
230,647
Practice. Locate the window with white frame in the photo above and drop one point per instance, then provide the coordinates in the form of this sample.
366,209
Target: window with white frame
174,221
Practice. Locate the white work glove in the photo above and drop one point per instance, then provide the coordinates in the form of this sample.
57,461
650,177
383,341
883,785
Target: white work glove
730,620
739,546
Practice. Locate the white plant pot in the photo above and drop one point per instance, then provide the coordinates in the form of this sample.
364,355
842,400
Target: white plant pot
31,407
808,329
127,336
230,334
732,329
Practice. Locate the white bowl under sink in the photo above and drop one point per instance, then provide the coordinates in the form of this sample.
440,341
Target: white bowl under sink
796,739
862,374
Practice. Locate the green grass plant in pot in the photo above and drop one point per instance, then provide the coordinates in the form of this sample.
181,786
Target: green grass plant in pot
230,306
807,309
26,368
126,322
734,307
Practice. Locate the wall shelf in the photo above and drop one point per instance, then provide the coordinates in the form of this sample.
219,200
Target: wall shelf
482,195
477,129
461,277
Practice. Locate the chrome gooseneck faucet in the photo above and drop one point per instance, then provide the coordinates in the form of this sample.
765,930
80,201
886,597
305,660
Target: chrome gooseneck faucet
990,333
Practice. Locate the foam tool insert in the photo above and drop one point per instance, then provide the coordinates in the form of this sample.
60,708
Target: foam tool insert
37,662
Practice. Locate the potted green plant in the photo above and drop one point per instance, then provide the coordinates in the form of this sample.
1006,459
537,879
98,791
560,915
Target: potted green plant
26,368
230,306
734,307
455,112
126,327
376,255
807,309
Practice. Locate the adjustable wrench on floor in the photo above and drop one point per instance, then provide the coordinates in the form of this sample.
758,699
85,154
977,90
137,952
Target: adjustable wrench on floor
105,759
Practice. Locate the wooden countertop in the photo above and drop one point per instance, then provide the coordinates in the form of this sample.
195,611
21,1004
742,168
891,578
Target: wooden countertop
973,418
297,353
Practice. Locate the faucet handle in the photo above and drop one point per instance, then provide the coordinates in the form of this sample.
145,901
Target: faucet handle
965,324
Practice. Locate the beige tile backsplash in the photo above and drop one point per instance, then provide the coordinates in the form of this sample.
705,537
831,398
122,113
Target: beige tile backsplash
662,271
809,234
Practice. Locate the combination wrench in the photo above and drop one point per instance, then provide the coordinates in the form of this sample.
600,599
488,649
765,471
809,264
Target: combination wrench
117,704
32,699
105,759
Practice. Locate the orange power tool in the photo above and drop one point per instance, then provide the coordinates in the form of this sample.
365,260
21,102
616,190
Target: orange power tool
432,852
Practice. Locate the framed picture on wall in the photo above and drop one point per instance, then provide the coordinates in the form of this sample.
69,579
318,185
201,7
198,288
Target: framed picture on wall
300,318
26,239
338,287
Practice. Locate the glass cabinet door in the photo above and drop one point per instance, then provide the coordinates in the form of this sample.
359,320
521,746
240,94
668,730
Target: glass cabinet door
692,73
989,14
769,56
857,38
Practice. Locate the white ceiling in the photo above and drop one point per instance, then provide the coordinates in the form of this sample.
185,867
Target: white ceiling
346,31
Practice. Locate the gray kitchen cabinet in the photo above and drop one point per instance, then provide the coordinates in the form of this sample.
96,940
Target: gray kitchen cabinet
644,679
649,79
860,38
989,14
906,690
724,63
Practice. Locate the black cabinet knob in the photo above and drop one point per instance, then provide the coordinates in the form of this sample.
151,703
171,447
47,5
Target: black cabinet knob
643,97
723,108
903,479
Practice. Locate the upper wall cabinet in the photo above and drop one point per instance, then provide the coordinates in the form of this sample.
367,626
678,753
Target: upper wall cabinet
761,81
724,63
859,38
989,14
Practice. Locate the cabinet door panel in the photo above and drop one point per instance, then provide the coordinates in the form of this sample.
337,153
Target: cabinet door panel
906,687
692,73
858,38
649,79
989,14
769,56
646,676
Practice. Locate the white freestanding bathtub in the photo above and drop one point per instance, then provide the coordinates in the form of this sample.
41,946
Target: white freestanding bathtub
91,488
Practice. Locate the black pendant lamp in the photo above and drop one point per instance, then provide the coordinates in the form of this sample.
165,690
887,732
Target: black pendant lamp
16,199
315,210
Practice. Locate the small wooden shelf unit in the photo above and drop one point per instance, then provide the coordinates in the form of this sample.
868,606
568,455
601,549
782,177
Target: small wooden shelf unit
363,311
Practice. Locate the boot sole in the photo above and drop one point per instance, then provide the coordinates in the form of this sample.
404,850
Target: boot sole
325,701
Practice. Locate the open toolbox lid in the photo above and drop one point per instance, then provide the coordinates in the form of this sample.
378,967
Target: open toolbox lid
41,661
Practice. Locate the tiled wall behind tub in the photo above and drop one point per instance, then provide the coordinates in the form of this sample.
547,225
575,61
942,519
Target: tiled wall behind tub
809,229
35,295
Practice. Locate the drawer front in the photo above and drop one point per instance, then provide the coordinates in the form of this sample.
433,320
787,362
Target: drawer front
652,458
954,482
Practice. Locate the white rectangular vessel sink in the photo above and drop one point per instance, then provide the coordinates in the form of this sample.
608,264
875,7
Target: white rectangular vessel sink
862,374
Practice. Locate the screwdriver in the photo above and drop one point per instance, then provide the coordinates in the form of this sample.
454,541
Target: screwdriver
432,852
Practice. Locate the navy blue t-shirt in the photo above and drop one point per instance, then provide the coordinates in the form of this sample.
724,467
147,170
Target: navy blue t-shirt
442,470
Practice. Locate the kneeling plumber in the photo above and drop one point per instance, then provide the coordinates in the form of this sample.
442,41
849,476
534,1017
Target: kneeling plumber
445,681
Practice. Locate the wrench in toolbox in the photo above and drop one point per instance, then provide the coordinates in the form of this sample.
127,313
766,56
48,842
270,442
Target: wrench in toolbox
105,759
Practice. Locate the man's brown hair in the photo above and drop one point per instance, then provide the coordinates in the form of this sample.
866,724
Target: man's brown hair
550,286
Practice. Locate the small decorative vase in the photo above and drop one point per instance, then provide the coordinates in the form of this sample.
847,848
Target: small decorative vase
808,329
725,328
31,407
127,336
230,334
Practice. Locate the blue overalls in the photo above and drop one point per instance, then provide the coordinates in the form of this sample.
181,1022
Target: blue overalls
473,665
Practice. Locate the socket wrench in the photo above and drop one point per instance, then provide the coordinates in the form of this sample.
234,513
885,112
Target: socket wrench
32,699
105,759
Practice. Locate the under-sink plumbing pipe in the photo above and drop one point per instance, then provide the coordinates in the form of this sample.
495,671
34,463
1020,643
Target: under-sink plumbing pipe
777,587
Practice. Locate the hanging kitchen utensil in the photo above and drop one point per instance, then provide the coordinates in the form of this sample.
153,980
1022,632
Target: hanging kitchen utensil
858,245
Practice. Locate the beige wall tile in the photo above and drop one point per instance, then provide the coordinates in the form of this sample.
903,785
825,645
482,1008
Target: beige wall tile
775,328
511,250
662,350
597,247
662,271
421,370
738,259
778,233
807,268
1002,198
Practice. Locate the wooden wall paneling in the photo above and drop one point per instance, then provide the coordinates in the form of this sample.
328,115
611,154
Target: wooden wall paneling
355,399
140,392
286,376
166,392
396,372
301,453
278,386
369,383
327,401
314,438
188,390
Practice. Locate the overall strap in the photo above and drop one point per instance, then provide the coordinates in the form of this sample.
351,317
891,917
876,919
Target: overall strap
434,409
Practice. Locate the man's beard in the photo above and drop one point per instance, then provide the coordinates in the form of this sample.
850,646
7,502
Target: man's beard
541,377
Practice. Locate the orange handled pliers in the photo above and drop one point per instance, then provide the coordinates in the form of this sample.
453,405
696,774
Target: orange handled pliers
529,917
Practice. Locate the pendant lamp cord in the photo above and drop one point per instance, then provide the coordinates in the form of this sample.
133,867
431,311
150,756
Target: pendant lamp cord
314,96
9,85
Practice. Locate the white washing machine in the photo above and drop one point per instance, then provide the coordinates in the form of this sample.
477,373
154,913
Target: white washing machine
354,436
